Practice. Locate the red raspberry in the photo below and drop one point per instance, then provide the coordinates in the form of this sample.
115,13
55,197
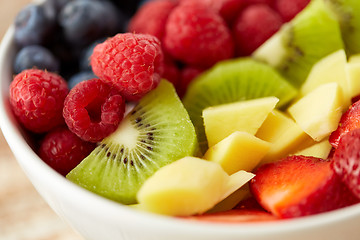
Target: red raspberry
171,71
37,99
254,26
132,62
151,17
62,150
197,36
346,160
289,9
188,74
93,109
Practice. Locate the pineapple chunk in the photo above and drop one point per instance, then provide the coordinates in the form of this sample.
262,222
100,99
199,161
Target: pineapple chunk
239,151
319,150
353,71
220,121
318,113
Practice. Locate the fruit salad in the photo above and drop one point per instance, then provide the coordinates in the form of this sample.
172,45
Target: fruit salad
225,111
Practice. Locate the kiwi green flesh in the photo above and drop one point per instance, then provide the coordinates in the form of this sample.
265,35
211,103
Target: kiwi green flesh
311,35
232,81
155,133
347,13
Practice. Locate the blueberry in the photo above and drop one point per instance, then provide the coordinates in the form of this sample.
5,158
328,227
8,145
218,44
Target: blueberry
35,56
84,61
84,21
79,77
33,26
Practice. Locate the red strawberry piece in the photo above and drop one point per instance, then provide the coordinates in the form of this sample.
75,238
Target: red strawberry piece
133,63
254,25
37,99
350,120
299,186
289,9
346,160
197,36
62,150
151,17
93,109
235,216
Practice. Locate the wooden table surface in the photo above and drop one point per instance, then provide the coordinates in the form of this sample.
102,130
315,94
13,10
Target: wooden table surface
24,215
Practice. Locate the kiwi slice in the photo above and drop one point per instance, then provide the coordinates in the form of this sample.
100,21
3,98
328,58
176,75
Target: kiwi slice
347,13
155,133
231,81
313,34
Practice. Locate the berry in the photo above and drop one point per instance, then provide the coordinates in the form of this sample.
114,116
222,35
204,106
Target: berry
350,120
37,99
79,77
253,27
197,36
188,74
33,26
35,56
346,160
132,62
171,70
62,150
299,186
151,18
289,9
93,109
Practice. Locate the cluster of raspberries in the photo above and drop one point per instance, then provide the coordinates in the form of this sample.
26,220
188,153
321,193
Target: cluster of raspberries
196,34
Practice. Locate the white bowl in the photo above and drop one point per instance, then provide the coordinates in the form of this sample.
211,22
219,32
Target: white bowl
97,218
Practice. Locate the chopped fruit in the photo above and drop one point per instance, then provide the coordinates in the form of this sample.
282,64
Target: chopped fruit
331,68
235,216
238,151
93,110
346,161
318,113
188,74
284,135
353,71
37,99
254,25
299,186
131,62
350,120
197,36
62,150
222,120
188,186
319,150
289,9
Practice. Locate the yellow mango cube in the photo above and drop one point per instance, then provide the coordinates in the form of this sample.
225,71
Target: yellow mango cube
319,150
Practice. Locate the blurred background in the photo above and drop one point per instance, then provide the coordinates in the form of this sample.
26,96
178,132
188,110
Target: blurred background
24,215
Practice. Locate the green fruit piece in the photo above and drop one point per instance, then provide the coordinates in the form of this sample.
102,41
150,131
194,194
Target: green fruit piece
311,35
155,133
232,81
347,13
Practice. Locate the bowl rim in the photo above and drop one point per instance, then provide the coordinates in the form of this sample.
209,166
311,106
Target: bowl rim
48,176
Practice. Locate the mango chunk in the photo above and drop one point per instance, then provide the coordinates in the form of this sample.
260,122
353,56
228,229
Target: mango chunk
247,116
319,150
353,71
239,151
188,186
318,113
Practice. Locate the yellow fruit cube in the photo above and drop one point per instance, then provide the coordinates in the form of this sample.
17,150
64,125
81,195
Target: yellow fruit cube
220,121
353,71
239,151
319,150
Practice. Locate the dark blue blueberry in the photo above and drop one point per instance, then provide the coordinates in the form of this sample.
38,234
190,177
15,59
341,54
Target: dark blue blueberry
33,26
84,61
35,56
84,21
79,77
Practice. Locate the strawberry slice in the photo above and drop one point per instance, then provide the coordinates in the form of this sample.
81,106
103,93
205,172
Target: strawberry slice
235,216
350,120
346,160
299,186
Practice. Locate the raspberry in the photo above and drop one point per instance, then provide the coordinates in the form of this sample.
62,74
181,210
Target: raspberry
171,70
188,74
37,99
93,109
346,160
132,62
151,17
289,9
197,36
62,150
254,26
